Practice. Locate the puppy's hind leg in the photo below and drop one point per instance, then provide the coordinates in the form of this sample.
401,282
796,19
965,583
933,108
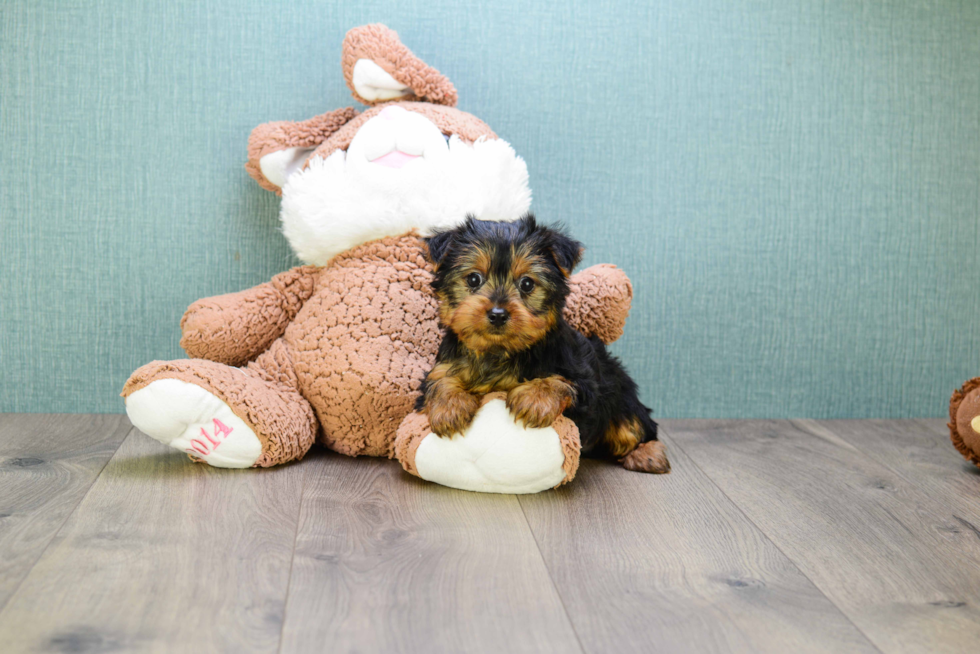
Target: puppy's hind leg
635,444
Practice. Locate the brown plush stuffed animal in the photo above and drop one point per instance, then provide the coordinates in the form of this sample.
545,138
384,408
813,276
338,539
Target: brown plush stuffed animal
334,351
964,420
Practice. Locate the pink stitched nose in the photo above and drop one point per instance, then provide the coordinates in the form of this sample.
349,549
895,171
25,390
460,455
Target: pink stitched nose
391,112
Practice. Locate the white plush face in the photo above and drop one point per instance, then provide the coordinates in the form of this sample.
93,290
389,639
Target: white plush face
399,173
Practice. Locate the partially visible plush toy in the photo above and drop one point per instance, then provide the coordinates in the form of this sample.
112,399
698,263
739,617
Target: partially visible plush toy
964,420
335,350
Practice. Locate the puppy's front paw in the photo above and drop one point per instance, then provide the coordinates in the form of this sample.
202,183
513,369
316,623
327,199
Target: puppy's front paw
452,413
540,401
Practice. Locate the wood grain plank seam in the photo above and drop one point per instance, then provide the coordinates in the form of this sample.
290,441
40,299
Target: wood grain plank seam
292,558
913,482
805,425
551,578
54,534
676,443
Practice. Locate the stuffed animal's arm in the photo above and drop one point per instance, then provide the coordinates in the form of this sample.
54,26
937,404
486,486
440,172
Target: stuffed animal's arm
599,301
293,140
235,328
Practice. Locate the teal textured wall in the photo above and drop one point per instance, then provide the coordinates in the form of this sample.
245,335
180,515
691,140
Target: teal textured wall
791,184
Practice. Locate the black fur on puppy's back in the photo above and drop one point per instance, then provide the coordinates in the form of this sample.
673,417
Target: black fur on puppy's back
606,394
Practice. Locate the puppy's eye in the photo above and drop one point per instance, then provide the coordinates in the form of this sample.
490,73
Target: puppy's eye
526,285
474,280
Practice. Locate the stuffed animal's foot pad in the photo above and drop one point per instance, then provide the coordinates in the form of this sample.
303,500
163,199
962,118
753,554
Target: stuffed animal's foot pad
648,457
494,455
190,419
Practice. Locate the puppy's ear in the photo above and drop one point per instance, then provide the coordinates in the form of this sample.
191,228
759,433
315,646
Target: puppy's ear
438,246
441,242
566,251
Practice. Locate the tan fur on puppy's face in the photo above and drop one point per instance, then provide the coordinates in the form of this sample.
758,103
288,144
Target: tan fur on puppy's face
502,269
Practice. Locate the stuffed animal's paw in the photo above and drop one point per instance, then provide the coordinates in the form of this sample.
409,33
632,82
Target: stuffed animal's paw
493,455
964,420
190,419
539,402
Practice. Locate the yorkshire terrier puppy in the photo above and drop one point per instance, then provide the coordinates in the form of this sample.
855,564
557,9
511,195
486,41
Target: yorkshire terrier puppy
502,290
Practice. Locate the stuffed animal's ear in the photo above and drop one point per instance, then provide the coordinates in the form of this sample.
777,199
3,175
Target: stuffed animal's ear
566,250
279,165
277,150
378,68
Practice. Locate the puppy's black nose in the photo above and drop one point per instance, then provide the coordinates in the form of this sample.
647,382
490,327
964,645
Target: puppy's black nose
498,316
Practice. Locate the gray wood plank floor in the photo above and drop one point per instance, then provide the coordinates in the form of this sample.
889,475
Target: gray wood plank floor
47,464
884,550
768,536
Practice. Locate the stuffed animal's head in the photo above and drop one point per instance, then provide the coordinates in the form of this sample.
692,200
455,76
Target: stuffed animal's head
411,161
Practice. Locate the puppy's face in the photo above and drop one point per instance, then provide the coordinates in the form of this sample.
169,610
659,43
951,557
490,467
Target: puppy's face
502,285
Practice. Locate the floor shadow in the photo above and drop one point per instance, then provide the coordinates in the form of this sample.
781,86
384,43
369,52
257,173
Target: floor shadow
176,465
971,469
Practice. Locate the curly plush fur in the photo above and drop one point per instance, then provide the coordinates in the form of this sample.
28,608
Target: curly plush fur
350,342
964,419
333,351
